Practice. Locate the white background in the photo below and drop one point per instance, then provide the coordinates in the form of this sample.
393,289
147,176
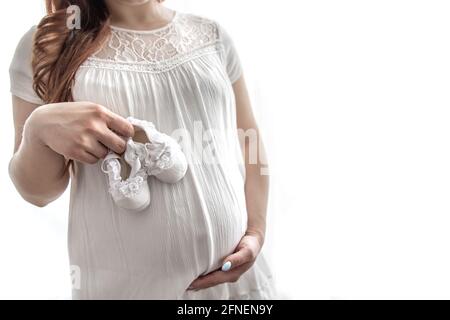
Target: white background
353,100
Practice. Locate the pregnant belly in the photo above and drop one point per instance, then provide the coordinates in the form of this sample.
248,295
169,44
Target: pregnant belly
223,231
221,215
187,231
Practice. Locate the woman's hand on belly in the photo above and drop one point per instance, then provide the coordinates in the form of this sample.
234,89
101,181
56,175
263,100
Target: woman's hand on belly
235,265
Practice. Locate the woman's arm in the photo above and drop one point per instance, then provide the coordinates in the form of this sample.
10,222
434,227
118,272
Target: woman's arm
256,195
46,136
256,182
39,174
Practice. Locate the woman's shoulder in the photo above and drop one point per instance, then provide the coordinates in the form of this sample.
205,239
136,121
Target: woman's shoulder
25,43
23,51
28,35
195,18
20,69
202,23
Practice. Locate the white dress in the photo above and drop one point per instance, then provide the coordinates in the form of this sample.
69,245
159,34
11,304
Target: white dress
180,78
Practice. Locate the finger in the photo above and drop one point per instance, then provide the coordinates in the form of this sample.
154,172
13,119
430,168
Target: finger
86,157
119,124
243,255
218,277
97,149
210,280
111,140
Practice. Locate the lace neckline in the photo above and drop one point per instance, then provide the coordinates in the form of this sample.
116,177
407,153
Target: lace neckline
167,26
186,37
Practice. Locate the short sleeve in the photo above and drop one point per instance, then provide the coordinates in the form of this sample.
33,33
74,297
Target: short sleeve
20,70
231,57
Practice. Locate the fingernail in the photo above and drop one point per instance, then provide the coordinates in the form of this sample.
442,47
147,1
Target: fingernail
190,288
226,266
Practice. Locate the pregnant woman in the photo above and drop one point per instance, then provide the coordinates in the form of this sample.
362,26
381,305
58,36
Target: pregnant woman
73,90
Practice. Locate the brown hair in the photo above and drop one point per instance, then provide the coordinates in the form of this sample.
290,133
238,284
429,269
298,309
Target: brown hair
59,51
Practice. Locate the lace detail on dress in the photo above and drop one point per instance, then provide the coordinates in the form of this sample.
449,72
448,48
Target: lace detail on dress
183,39
149,67
128,188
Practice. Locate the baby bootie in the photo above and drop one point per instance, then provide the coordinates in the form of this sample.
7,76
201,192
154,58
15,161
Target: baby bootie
127,180
164,158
